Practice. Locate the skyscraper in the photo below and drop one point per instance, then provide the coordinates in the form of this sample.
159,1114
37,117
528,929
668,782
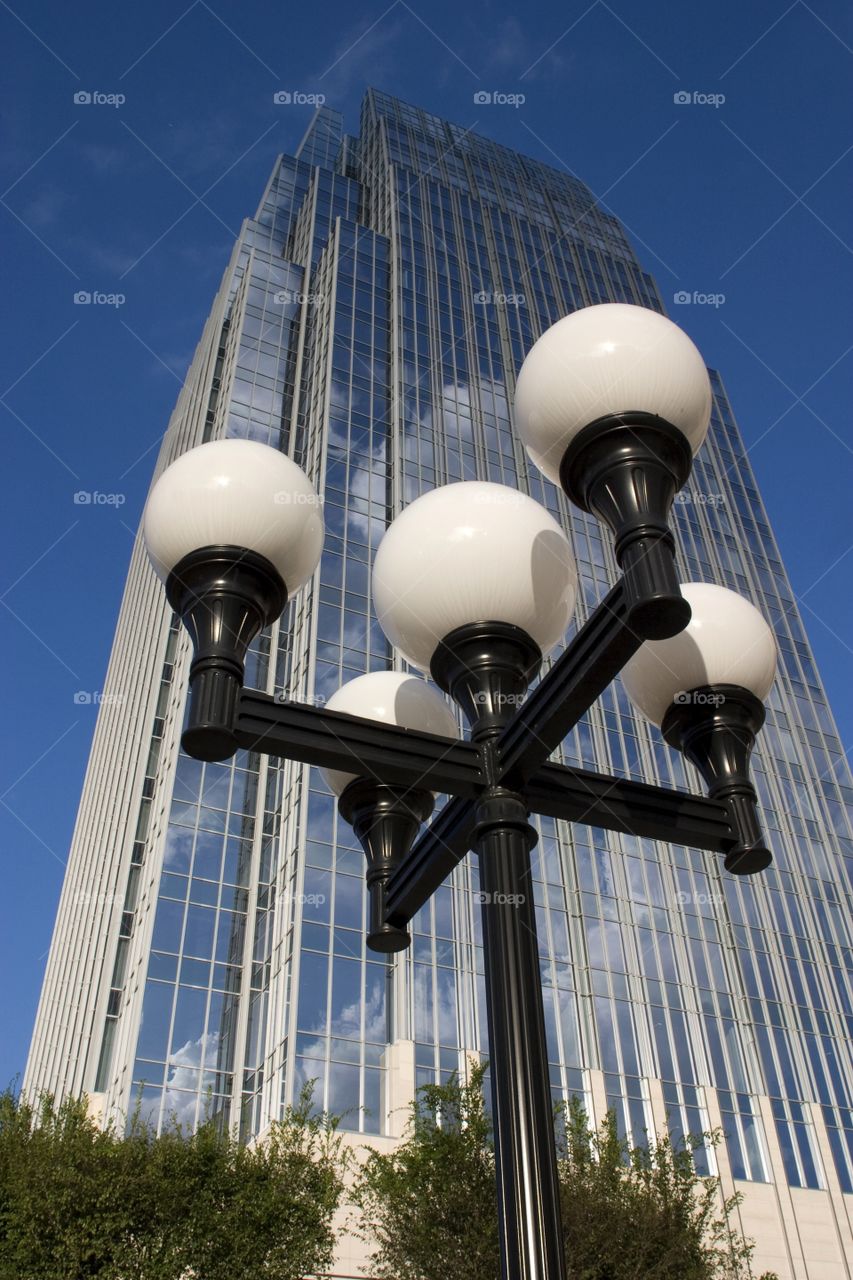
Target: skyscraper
209,947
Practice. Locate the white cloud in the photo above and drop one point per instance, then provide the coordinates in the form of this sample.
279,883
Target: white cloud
184,1073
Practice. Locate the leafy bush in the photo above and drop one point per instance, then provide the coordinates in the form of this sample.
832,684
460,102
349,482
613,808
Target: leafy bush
78,1201
428,1208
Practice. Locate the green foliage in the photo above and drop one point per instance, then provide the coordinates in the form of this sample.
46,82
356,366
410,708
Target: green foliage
429,1208
78,1201
643,1212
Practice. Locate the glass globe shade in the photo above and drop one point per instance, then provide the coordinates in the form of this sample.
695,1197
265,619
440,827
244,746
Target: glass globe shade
609,358
472,552
727,641
394,698
236,493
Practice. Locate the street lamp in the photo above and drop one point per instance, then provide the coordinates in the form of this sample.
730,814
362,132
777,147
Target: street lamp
705,688
386,818
474,584
232,529
612,403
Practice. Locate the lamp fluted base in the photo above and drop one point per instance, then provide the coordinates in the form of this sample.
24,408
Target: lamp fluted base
626,469
225,596
486,668
386,821
715,727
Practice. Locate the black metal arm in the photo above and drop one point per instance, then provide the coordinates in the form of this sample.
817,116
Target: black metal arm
225,595
577,679
443,845
517,759
335,740
634,808
575,795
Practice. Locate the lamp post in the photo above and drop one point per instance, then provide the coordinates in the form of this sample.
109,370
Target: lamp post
474,583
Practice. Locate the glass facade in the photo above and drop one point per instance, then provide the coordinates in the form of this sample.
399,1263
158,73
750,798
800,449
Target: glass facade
371,323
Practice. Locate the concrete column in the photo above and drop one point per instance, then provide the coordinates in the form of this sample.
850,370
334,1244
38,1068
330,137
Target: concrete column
95,1103
599,1098
842,1205
398,1086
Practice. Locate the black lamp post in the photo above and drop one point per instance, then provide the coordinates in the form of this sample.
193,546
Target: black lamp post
474,583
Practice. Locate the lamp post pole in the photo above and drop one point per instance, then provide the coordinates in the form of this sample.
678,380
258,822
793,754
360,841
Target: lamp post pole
525,1155
486,669
474,583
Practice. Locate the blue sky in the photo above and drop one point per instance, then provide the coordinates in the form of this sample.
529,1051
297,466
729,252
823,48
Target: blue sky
139,199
